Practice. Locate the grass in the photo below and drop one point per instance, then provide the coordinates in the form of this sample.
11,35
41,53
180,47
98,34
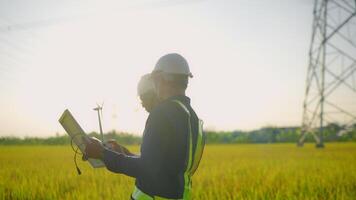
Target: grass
248,171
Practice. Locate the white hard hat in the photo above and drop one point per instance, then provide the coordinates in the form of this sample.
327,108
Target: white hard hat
173,63
145,85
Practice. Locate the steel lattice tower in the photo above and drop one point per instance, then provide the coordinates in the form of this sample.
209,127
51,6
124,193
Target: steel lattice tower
330,95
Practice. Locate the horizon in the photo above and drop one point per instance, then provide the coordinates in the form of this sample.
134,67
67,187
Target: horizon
59,134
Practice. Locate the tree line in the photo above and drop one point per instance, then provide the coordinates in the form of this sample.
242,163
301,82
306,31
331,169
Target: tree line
278,135
263,135
121,137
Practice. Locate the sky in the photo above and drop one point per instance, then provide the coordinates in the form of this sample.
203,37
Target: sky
248,58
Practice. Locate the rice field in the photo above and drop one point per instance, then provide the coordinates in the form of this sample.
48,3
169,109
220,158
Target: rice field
247,171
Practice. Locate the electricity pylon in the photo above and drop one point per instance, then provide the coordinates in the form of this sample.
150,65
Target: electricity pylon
330,95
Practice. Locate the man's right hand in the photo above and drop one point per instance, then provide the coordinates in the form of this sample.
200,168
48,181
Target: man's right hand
118,148
93,148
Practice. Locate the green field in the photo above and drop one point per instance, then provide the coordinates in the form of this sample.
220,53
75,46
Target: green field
248,171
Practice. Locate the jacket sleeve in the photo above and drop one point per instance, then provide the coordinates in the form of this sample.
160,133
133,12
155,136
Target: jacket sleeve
120,163
148,164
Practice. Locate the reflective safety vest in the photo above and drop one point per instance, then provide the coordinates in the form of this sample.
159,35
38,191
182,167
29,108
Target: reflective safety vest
192,162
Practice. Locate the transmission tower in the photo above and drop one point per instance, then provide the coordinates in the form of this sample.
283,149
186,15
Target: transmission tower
330,95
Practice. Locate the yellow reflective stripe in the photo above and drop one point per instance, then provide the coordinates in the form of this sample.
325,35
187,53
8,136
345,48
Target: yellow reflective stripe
189,165
187,186
161,198
187,175
187,180
192,166
190,160
183,106
199,148
139,195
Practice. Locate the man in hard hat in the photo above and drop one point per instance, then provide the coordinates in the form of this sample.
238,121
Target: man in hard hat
173,139
147,94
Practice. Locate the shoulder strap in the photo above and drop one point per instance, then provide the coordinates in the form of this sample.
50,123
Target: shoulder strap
194,157
182,106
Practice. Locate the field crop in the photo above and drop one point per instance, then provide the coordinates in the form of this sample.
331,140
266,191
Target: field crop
247,171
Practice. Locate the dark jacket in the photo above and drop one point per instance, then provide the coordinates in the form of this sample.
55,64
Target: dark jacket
160,167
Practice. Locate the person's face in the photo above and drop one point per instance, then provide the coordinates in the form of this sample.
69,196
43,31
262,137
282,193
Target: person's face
158,82
149,101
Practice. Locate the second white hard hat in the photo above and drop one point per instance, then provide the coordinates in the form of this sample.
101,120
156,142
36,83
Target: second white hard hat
173,63
145,85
